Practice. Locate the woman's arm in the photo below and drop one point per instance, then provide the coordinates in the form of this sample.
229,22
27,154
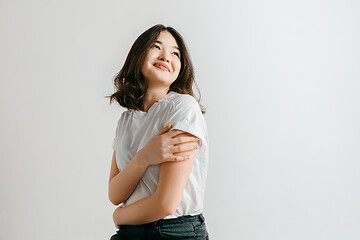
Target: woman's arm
173,177
123,183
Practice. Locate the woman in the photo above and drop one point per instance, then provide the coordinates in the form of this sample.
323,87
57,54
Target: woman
160,158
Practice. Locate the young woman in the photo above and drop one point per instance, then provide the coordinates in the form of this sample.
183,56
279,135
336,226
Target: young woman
160,160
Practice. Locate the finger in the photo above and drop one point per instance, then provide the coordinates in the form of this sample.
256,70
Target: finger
174,132
186,155
185,148
165,129
184,134
180,133
192,152
183,158
181,140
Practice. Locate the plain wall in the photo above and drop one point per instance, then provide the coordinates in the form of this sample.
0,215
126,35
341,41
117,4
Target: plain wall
281,83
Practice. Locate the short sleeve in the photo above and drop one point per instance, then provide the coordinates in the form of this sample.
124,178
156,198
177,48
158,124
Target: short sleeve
116,137
189,120
114,144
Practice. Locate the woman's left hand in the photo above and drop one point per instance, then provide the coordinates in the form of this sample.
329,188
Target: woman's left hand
116,216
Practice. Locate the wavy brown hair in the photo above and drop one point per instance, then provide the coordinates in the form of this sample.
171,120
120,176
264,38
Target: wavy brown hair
130,84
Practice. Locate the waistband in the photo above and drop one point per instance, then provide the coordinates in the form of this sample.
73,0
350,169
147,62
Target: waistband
182,219
163,222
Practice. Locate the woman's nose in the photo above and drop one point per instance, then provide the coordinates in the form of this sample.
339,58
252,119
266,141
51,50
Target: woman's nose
164,57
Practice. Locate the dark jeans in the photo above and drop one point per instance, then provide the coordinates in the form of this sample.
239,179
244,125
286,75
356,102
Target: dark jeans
184,227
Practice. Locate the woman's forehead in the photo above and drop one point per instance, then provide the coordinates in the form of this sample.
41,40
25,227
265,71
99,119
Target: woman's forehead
165,38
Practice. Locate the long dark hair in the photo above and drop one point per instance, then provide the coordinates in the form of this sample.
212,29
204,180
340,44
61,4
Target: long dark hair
130,83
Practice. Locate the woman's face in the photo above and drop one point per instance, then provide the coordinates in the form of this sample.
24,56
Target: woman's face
162,63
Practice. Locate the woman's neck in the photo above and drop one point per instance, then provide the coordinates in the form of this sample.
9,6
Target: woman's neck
152,96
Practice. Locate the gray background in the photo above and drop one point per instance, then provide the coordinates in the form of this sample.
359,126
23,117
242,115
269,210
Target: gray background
281,83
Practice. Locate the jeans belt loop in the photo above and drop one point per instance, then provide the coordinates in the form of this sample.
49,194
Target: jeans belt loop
202,219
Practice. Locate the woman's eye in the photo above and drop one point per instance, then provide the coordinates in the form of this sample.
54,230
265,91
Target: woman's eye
155,46
176,53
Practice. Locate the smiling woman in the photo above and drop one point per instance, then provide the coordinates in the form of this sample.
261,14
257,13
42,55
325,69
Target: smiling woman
162,64
160,159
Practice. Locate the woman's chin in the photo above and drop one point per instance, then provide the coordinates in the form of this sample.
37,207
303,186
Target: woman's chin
161,80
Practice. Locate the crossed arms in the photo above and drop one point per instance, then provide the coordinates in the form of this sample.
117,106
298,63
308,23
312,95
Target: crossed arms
173,177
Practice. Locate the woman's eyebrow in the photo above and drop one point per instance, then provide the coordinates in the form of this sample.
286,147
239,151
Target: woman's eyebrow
157,41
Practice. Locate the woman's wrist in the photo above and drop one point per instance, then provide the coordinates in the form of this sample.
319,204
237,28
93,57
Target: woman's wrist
140,160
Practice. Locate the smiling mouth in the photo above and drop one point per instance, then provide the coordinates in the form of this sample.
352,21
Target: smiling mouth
162,67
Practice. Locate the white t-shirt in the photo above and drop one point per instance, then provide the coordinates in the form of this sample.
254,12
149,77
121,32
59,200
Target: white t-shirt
134,130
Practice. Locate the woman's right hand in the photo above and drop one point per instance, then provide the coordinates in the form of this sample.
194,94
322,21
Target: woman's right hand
169,146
